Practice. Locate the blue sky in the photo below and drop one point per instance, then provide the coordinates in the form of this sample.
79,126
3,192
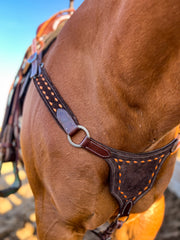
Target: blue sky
18,23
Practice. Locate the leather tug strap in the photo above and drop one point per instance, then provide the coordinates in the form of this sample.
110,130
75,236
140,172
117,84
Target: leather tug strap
131,175
9,145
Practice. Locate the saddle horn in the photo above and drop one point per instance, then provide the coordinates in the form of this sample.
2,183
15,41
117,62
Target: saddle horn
71,4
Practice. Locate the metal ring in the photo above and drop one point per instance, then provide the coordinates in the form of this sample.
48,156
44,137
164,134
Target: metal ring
78,145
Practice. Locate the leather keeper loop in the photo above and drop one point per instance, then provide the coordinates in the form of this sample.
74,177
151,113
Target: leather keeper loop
94,147
66,121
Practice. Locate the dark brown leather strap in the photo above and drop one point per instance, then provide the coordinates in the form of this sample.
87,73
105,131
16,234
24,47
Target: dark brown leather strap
106,235
10,143
55,103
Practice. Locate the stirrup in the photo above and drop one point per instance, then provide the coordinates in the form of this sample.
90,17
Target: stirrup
15,186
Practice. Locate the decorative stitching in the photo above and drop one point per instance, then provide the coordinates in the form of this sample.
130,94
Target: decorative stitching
43,88
135,162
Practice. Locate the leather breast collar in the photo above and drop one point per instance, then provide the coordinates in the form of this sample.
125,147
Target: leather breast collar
131,175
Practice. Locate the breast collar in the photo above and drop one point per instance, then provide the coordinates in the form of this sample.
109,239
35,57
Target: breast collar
132,175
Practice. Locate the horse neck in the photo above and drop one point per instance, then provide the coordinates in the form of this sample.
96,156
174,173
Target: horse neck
126,54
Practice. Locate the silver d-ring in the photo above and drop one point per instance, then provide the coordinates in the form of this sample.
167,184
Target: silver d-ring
78,145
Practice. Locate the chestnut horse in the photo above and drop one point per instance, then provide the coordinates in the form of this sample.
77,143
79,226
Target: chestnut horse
116,63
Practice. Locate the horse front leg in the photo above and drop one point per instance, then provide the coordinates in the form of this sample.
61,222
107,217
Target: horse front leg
143,226
50,223
58,230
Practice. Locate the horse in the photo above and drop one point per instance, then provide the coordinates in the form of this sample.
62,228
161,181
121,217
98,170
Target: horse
116,64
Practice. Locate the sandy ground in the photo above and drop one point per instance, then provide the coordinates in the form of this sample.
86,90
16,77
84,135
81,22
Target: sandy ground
17,218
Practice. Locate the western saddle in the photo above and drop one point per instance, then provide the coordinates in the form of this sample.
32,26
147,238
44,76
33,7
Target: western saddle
10,150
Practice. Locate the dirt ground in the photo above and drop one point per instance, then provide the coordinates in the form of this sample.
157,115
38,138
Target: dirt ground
17,218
